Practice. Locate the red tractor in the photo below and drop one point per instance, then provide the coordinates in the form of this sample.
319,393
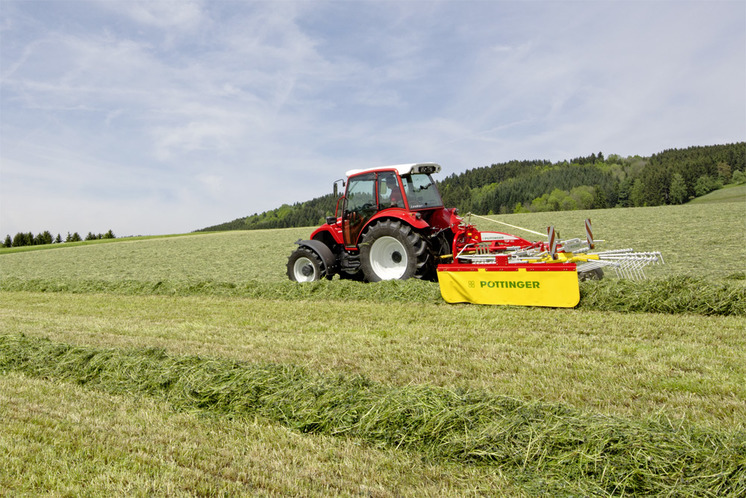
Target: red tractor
392,225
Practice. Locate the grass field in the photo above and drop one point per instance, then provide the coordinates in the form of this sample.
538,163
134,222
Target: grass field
729,193
703,240
595,402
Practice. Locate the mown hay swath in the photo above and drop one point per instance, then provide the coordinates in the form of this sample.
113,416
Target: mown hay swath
549,448
674,295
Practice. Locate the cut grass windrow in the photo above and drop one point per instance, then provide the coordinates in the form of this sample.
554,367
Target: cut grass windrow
673,295
678,294
548,448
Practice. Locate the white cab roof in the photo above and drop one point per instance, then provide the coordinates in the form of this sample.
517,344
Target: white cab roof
402,169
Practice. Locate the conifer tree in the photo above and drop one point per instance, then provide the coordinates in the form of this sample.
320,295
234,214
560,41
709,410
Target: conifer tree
677,192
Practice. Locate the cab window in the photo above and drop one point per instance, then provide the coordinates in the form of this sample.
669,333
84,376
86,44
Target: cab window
421,191
361,193
389,191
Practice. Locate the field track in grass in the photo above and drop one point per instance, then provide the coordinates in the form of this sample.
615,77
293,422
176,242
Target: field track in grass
225,297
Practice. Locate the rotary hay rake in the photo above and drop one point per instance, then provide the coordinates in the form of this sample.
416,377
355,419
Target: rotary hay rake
500,268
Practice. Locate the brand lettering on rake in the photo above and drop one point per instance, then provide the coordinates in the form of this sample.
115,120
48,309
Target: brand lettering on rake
510,284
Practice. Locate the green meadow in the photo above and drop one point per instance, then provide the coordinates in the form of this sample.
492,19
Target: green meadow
191,365
704,240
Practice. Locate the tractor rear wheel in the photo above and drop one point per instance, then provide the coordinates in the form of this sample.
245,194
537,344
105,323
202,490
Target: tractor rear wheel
304,265
391,250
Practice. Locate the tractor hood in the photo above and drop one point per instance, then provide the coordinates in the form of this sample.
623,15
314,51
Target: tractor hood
402,169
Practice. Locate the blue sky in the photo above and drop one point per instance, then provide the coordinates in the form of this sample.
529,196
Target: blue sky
154,117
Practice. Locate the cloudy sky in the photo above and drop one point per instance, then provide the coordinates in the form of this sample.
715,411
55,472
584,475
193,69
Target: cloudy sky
155,117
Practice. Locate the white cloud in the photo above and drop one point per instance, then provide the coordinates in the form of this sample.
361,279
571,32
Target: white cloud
162,14
186,114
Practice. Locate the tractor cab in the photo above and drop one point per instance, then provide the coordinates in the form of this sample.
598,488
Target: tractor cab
408,189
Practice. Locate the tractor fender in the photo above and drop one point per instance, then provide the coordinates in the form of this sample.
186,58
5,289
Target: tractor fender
333,233
408,217
322,251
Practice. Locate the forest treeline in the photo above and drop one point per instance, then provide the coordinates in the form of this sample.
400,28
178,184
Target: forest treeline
673,176
29,239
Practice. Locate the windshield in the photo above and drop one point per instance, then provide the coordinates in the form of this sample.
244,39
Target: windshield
421,191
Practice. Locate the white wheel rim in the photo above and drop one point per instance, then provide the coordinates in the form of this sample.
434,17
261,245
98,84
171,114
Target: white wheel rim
388,258
301,270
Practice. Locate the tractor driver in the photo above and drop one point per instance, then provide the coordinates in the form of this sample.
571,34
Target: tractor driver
392,186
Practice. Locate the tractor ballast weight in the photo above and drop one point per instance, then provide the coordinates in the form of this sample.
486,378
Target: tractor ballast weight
391,224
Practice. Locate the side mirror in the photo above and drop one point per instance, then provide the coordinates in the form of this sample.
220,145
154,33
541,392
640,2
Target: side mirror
336,187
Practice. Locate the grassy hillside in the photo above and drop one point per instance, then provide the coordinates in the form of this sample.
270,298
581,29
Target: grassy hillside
699,240
67,245
729,193
190,365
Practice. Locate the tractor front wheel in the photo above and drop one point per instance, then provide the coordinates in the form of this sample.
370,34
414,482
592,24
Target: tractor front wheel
304,265
391,250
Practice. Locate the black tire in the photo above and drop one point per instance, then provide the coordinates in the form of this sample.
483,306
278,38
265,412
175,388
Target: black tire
355,276
594,274
391,250
304,265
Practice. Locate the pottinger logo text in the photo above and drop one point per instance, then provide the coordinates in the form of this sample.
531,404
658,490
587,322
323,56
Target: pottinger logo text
510,284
